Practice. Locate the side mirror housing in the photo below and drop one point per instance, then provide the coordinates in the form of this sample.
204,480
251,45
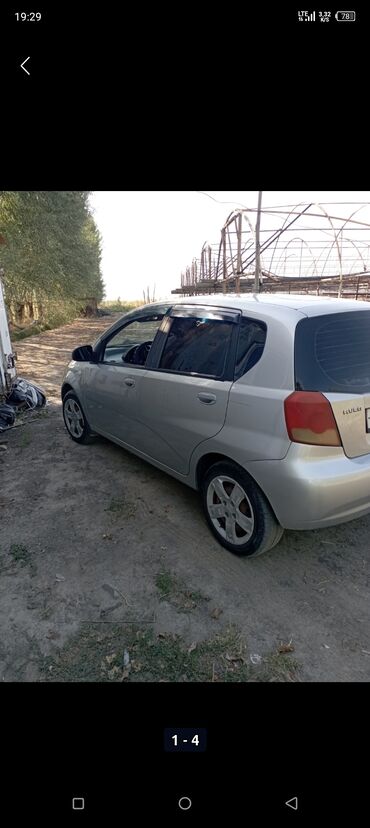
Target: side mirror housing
84,353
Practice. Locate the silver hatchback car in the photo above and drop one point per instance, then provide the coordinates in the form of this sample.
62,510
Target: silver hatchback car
262,402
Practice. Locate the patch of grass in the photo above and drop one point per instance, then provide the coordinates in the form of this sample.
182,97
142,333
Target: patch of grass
115,506
29,331
46,613
25,439
40,412
197,595
175,591
280,667
36,329
165,582
117,306
23,556
98,654
91,655
54,315
20,553
120,507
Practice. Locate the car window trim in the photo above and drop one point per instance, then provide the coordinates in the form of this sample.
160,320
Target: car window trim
218,313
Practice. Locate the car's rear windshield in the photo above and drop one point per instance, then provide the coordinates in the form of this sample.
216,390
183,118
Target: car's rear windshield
332,353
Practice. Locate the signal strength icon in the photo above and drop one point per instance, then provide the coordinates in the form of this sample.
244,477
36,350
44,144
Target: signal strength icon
306,17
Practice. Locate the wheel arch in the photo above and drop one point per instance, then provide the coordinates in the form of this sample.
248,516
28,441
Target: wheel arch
208,460
65,388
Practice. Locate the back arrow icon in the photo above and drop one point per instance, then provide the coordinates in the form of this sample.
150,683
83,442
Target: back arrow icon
23,66
293,803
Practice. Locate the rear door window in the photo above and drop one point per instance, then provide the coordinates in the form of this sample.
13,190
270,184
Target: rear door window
332,353
197,346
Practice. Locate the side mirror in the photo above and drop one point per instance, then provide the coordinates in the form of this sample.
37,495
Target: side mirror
83,354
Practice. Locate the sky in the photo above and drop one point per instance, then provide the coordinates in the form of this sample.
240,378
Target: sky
150,237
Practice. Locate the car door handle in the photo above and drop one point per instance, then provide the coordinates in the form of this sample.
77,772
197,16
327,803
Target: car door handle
208,399
129,381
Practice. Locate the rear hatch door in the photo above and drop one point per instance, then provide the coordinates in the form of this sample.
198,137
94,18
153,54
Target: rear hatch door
332,355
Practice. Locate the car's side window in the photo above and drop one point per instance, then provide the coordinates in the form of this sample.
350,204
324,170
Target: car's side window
251,342
132,343
197,346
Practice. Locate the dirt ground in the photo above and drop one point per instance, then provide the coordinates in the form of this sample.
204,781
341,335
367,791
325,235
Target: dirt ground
108,571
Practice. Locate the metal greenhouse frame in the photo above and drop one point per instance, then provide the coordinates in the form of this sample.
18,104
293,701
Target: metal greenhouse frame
301,248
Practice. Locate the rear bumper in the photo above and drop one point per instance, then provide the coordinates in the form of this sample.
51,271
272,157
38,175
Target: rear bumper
315,486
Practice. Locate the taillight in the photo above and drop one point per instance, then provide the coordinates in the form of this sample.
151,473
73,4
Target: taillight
309,419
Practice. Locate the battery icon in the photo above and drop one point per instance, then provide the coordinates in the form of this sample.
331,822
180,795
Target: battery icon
345,16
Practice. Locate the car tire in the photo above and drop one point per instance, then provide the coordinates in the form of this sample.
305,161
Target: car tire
230,495
75,420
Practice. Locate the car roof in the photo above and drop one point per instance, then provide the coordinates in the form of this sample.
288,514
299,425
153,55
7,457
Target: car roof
308,305
284,307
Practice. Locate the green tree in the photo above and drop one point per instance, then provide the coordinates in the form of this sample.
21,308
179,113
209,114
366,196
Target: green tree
52,250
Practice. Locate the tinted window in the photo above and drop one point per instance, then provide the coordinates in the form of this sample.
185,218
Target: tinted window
332,353
197,346
251,342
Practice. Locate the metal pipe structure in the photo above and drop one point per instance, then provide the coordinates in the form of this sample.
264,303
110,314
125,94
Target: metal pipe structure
322,247
258,247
